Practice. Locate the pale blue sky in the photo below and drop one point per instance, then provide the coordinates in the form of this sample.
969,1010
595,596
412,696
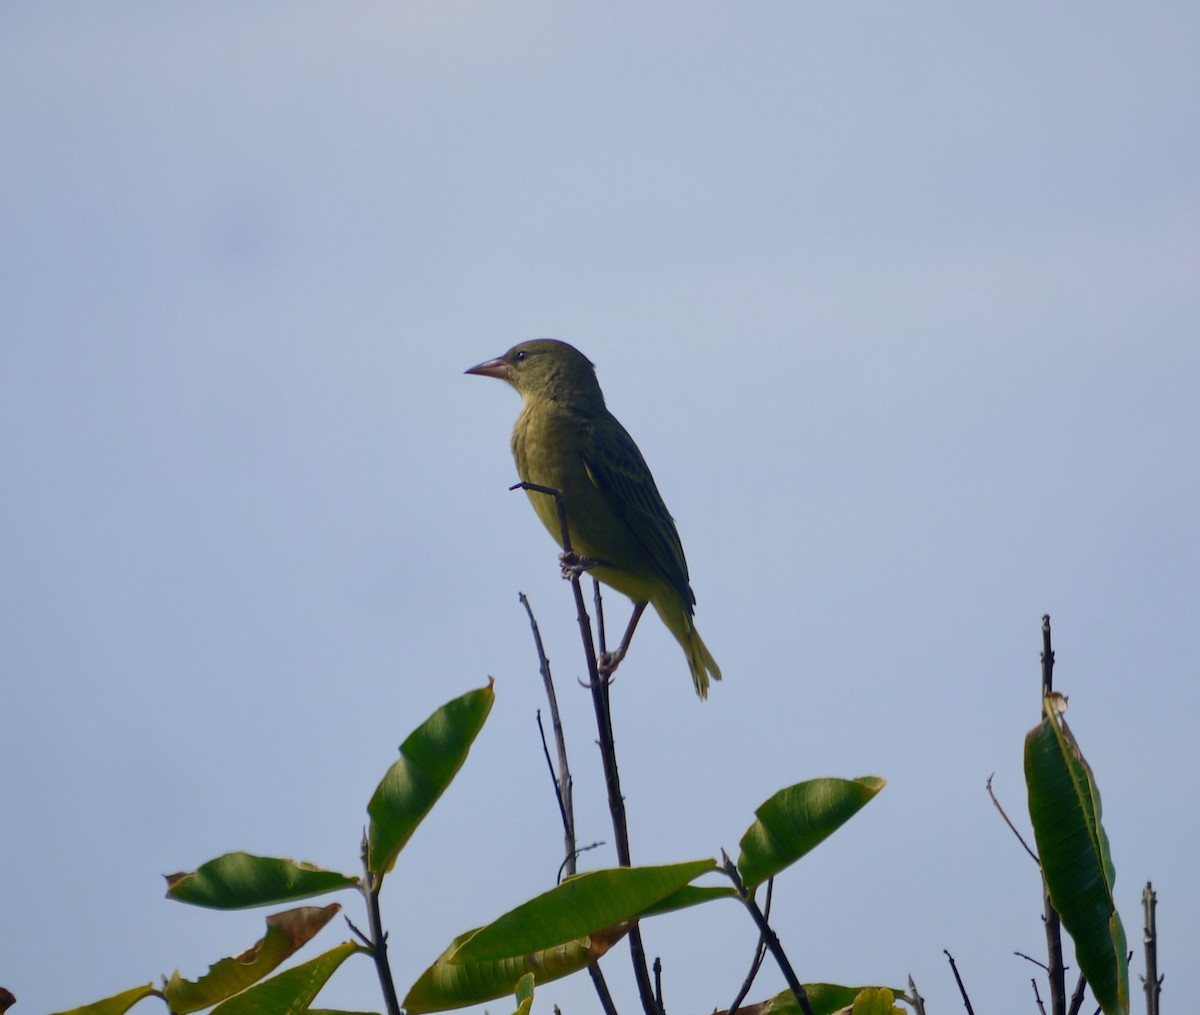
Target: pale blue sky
900,302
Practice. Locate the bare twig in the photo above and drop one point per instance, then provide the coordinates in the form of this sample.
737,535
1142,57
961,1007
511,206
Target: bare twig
1037,995
562,777
1030,958
377,944
356,932
1055,969
601,637
608,753
768,935
915,998
1152,982
760,952
1077,996
958,979
1007,821
563,791
1047,660
601,988
658,995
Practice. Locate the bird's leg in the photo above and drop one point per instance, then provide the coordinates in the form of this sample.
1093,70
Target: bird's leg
574,564
609,661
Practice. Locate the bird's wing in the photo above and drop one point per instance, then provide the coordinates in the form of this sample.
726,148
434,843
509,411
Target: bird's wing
619,471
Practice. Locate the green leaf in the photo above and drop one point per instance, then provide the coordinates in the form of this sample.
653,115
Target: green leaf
687,896
286,933
876,1001
118,1004
429,760
240,880
829,998
450,984
1064,806
797,819
293,990
524,994
579,906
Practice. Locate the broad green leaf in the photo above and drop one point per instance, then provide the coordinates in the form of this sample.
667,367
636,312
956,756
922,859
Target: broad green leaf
579,906
688,895
429,760
337,1011
286,933
1064,807
450,984
293,990
825,999
797,819
876,1001
241,880
118,1004
524,994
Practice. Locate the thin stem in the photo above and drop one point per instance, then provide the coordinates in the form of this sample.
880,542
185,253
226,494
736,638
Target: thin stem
562,778
608,753
371,884
958,979
1030,958
606,1001
1011,826
915,998
1077,996
760,952
1151,981
1037,996
770,939
601,637
1055,969
1047,658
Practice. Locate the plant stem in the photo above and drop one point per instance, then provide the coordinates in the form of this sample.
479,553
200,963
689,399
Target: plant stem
370,887
1056,971
770,939
1152,981
962,990
608,753
562,778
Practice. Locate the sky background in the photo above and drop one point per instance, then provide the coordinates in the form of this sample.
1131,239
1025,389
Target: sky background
900,302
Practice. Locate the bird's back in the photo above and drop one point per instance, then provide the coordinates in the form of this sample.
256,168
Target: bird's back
614,510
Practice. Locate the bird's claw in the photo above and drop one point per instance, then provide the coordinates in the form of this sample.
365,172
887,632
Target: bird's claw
607,663
574,565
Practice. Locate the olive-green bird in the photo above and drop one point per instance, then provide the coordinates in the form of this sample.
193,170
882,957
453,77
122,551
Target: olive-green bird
565,438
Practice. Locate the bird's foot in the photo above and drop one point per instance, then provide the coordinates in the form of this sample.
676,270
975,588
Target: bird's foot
574,565
607,663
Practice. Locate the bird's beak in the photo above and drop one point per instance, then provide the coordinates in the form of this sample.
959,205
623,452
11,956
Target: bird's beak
492,368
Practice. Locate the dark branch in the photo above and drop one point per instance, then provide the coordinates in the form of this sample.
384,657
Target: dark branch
915,998
1152,981
377,941
608,753
760,953
768,935
958,979
1011,826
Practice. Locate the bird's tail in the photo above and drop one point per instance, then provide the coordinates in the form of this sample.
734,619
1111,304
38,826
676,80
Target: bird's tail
700,660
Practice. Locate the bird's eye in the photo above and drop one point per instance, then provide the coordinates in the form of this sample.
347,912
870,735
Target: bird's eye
522,356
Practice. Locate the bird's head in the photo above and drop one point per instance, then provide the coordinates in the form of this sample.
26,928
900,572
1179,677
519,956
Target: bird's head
546,368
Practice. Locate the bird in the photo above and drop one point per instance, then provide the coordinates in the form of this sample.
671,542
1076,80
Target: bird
566,439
